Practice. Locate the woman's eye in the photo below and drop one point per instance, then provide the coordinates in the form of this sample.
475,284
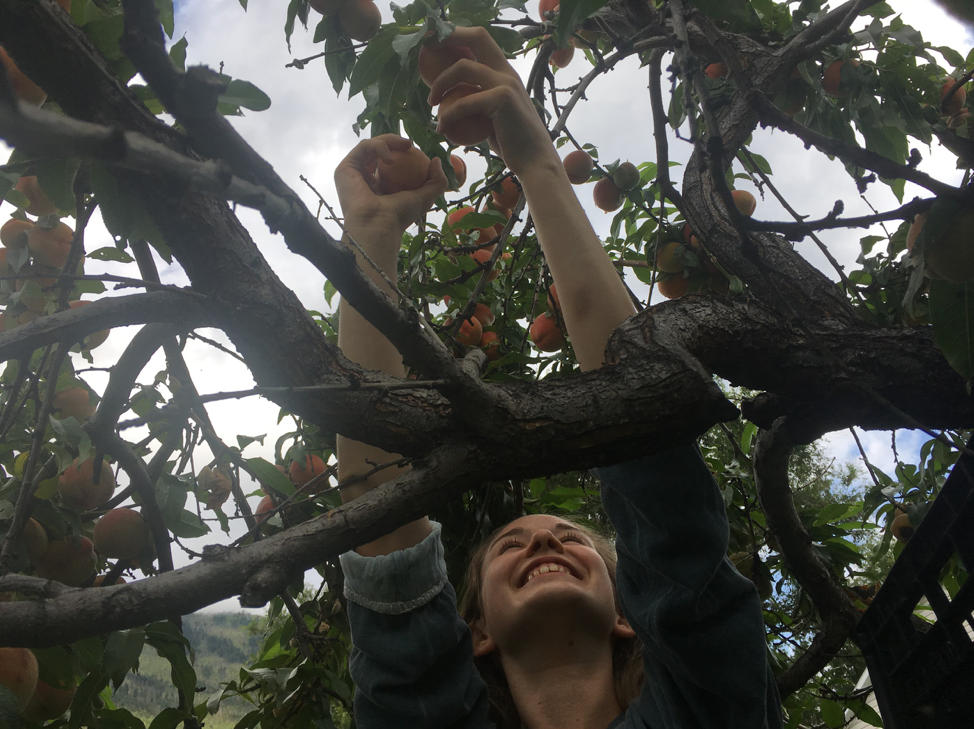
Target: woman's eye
506,545
572,538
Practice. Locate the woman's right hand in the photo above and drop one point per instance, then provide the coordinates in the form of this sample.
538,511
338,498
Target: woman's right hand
519,137
364,208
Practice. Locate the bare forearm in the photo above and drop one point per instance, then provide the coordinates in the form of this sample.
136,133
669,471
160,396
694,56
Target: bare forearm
363,344
593,298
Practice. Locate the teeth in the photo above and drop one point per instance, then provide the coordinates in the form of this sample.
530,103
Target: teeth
547,568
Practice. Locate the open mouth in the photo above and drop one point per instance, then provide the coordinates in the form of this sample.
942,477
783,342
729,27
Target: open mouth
547,568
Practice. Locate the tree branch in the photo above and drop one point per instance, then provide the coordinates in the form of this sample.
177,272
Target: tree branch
772,451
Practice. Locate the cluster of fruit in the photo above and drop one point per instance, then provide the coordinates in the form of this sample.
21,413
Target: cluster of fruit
561,57
35,252
36,700
359,19
609,191
685,264
300,474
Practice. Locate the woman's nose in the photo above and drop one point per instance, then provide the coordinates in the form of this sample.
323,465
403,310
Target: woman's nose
544,538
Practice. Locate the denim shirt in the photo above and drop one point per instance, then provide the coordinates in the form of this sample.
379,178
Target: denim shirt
700,621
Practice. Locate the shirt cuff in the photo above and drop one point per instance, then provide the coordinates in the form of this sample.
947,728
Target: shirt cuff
397,583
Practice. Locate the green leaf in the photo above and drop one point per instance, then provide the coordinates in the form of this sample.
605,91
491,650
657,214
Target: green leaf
372,61
867,713
737,13
177,53
122,653
172,645
168,718
403,44
570,14
268,474
245,94
338,64
296,9
105,33
110,253
187,526
832,713
87,691
165,15
56,178
952,316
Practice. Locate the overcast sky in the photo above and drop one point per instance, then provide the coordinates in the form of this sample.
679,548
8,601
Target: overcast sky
307,131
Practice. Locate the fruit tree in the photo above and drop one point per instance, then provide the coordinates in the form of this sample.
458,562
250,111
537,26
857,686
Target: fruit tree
125,168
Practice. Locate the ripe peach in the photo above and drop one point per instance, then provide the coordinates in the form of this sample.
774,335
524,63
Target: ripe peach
470,332
955,122
359,19
491,344
716,70
832,79
408,170
468,130
27,90
666,257
459,169
507,194
956,102
120,534
40,203
50,246
481,257
561,57
546,334
100,580
18,673
92,340
302,473
454,218
49,702
34,540
327,7
73,402
626,176
484,315
548,6
266,504
78,488
745,202
434,61
13,233
674,287
69,561
578,166
901,527
607,196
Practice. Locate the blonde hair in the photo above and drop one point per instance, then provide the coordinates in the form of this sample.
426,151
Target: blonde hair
627,653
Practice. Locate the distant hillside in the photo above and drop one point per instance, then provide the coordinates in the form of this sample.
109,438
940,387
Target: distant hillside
222,643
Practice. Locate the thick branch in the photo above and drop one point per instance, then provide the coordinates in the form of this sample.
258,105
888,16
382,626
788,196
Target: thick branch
772,450
771,115
188,309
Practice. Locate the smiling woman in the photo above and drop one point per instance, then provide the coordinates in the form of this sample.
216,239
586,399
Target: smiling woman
555,629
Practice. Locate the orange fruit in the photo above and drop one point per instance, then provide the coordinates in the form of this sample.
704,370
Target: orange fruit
26,90
40,203
578,166
408,170
546,334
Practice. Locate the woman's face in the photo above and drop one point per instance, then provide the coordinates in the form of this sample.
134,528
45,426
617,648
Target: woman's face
543,573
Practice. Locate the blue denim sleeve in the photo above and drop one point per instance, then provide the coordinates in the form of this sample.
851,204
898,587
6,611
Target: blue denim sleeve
412,656
701,622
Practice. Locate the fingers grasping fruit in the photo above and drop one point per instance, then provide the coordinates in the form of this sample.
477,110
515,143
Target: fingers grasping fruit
408,170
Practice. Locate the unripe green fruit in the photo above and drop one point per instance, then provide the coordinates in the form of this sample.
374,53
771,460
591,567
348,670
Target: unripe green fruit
626,176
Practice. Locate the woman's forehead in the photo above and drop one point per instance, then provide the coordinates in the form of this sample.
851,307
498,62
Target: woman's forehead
540,521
